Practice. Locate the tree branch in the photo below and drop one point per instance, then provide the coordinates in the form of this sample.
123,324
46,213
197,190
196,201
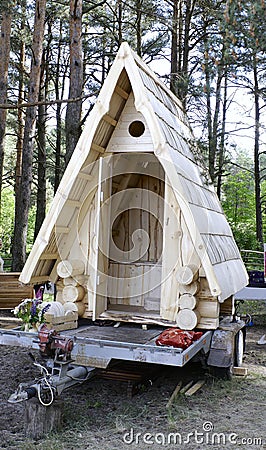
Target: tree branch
47,103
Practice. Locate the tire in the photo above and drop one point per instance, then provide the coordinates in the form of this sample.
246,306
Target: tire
239,348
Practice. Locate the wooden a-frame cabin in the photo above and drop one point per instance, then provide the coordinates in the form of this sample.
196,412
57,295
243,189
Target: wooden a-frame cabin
135,231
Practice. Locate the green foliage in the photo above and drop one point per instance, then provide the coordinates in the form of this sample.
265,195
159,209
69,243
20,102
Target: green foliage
238,202
7,222
245,235
7,219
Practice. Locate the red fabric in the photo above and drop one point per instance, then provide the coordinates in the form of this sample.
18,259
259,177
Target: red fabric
175,337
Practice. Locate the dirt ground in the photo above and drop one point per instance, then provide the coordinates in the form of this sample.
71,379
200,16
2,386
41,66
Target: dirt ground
100,414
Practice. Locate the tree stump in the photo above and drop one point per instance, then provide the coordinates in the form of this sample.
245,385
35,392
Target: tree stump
40,420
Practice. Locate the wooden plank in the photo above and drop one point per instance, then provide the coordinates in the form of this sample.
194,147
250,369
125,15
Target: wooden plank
194,388
4,276
240,371
39,279
61,323
209,309
143,317
189,255
174,394
73,203
227,308
186,387
172,234
84,215
110,120
206,323
121,92
50,256
64,326
104,231
97,148
12,291
62,230
85,176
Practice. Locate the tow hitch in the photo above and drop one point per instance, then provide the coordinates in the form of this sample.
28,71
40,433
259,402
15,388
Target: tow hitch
57,372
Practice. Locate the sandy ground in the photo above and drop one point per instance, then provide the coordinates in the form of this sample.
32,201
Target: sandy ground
101,415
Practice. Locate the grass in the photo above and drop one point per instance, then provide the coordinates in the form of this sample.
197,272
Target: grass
255,308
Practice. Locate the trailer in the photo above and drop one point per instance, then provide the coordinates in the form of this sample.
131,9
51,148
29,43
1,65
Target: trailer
74,356
135,237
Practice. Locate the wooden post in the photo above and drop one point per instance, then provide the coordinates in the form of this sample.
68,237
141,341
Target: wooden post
40,420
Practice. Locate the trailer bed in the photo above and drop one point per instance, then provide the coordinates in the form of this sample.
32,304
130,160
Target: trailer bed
96,346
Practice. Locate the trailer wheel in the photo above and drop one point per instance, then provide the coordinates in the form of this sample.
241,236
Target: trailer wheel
239,347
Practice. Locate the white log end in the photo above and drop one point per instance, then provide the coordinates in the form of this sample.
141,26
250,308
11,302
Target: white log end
70,268
186,319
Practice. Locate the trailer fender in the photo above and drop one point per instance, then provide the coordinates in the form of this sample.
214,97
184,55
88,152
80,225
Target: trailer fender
222,349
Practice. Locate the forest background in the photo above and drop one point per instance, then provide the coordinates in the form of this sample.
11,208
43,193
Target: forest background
54,58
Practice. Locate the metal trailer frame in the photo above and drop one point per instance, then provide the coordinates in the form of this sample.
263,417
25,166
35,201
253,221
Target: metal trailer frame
135,344
98,353
95,346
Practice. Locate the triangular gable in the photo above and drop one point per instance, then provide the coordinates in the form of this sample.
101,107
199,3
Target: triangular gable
170,138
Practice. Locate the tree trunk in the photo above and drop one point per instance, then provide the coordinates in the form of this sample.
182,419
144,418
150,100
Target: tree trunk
259,233
5,33
24,192
73,112
41,145
174,44
59,84
119,17
190,5
21,97
222,142
211,150
21,94
138,26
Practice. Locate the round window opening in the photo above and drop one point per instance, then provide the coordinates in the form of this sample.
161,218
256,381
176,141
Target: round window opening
136,128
